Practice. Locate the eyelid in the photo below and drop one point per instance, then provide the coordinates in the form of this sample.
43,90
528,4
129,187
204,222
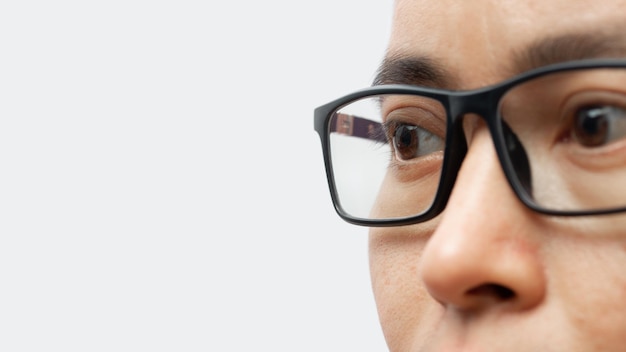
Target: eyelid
415,116
590,98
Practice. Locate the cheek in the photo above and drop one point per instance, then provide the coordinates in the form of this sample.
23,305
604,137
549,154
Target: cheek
404,306
591,289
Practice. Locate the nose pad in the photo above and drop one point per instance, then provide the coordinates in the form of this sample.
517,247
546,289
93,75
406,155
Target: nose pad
518,158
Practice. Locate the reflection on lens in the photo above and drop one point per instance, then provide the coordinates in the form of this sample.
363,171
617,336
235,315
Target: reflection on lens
386,155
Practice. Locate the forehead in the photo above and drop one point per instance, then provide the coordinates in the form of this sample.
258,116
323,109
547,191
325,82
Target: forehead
481,42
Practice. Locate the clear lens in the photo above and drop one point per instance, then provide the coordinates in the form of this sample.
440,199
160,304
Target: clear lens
565,136
386,155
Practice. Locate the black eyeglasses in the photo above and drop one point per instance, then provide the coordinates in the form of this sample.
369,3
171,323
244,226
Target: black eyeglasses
392,152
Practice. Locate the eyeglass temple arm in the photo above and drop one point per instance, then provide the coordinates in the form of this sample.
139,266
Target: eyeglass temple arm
351,125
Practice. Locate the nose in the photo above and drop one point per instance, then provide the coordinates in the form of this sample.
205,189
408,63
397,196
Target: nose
484,253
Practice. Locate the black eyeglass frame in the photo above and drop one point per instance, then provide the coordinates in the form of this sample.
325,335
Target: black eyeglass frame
483,102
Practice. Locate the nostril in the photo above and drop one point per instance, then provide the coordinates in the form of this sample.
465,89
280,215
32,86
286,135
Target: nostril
496,291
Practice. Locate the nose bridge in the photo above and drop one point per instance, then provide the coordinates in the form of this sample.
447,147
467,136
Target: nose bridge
481,103
461,105
511,153
476,105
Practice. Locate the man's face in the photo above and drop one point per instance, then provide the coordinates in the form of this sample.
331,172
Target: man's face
488,273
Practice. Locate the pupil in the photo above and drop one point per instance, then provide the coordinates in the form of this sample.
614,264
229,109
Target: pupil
592,126
405,137
406,142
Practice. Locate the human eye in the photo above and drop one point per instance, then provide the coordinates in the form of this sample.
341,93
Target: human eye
598,125
410,141
414,133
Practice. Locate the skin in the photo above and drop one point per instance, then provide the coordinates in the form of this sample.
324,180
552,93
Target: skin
489,274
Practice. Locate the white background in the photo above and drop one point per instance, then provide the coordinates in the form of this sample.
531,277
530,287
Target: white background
161,185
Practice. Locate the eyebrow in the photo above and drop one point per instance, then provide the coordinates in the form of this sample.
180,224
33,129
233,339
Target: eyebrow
569,47
418,71
426,72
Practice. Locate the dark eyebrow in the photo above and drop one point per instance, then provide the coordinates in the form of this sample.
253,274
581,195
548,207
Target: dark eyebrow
569,47
418,71
424,71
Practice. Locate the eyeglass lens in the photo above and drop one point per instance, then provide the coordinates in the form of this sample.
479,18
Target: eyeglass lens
564,135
